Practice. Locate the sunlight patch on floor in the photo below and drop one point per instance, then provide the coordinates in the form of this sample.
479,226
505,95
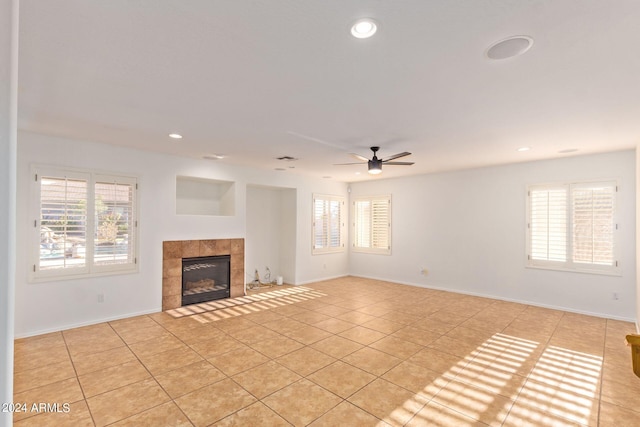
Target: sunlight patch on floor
232,307
503,381
563,384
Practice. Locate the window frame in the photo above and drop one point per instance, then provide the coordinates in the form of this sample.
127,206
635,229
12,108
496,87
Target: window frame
92,267
570,264
386,198
327,198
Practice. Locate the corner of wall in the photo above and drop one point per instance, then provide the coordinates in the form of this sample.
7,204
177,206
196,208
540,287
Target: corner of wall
8,149
638,239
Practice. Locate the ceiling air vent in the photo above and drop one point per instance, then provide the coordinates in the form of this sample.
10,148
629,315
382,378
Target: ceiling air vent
287,158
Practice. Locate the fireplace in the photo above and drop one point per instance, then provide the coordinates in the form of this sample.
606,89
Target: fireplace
205,279
173,252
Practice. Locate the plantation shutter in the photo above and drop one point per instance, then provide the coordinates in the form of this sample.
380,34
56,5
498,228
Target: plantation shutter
362,238
593,224
63,221
84,224
548,224
319,223
572,226
335,222
114,221
380,224
328,223
372,224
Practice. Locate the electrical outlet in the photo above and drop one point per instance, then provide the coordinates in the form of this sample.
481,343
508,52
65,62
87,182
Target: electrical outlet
100,297
424,271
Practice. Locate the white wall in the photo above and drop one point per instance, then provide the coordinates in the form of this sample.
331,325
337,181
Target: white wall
290,212
8,124
204,197
268,237
49,306
468,229
288,234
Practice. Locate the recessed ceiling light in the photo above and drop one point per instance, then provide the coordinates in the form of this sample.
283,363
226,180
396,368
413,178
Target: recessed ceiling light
175,136
364,28
509,47
568,150
326,177
521,149
280,169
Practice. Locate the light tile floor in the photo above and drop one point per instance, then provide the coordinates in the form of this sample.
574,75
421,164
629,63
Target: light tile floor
350,351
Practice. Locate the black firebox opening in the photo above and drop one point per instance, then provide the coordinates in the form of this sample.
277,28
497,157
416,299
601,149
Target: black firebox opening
205,279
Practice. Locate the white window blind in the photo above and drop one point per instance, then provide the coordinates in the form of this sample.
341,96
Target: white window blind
85,223
63,221
572,226
328,224
549,224
372,224
593,225
114,238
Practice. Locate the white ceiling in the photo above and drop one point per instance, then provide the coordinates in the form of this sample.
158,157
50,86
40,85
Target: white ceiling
259,79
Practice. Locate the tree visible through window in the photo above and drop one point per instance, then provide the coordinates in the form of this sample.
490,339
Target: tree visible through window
572,226
85,223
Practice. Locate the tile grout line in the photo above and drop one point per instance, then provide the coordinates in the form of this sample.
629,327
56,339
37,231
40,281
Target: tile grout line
387,311
77,378
149,372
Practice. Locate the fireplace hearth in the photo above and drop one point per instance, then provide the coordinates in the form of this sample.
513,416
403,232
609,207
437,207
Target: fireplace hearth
205,279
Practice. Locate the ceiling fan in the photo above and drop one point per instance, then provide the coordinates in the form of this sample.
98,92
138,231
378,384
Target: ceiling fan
375,164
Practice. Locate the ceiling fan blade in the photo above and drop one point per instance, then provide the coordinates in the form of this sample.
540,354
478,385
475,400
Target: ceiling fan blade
344,164
396,156
359,157
399,163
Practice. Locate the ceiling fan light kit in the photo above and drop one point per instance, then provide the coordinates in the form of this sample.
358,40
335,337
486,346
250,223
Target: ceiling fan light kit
374,165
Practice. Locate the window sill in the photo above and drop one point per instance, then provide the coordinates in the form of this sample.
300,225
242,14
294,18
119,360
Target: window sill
372,251
615,271
33,278
327,251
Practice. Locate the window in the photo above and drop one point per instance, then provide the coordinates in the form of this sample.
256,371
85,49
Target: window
572,226
328,224
372,224
85,223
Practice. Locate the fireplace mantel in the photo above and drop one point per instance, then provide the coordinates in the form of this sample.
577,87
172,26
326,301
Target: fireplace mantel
174,251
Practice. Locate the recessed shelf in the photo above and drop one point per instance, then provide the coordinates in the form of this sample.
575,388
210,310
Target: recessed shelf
202,196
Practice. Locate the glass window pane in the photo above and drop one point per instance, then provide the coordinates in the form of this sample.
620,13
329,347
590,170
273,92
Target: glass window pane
63,220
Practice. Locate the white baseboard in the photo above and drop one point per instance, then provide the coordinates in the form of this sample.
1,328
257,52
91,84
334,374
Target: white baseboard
535,304
419,285
88,323
306,282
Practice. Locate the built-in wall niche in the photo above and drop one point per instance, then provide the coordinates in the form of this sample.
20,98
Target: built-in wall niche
271,232
202,196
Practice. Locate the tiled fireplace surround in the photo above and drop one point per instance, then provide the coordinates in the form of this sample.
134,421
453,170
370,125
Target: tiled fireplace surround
174,251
